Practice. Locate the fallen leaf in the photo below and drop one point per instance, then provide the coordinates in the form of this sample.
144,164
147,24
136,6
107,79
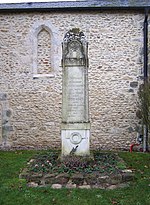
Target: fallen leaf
114,202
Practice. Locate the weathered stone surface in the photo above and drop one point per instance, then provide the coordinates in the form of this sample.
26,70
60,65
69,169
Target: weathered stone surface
62,178
77,179
47,176
91,178
112,187
131,91
56,186
134,84
31,161
103,179
75,71
96,186
71,186
130,129
24,174
35,178
84,187
49,179
8,113
127,175
75,109
115,179
36,175
7,128
32,184
3,96
123,185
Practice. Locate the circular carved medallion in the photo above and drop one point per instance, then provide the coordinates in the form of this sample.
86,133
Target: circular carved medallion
75,138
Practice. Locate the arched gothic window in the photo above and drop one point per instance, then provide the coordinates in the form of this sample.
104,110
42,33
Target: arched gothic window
45,49
44,52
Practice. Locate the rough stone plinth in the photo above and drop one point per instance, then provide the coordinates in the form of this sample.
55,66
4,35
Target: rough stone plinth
79,180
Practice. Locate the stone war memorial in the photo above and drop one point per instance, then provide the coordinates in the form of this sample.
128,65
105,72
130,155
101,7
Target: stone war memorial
70,74
75,129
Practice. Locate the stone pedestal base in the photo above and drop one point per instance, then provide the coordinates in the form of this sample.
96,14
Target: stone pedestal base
75,139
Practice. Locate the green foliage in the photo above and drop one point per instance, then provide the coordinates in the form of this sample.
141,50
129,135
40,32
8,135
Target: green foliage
50,163
13,191
44,162
71,164
121,165
144,96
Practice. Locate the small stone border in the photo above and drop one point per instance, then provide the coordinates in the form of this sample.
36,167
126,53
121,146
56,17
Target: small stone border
79,180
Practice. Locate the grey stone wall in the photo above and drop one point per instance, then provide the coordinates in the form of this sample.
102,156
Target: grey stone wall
31,101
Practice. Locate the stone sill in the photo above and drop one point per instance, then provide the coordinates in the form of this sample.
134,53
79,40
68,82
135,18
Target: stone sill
36,76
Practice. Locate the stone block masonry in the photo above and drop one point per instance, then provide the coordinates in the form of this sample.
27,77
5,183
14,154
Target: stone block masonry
31,100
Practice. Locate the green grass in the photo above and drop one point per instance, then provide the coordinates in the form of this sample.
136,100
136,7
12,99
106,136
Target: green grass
14,191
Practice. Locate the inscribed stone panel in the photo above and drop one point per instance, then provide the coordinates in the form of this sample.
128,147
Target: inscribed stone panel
75,95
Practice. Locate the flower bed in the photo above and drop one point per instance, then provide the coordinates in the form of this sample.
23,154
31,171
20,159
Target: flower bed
102,170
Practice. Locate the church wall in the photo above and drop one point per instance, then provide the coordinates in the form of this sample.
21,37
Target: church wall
31,93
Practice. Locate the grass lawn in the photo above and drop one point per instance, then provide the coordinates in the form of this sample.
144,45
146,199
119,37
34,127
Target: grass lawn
14,191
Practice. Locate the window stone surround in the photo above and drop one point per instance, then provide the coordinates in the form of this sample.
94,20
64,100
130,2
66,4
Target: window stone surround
55,54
